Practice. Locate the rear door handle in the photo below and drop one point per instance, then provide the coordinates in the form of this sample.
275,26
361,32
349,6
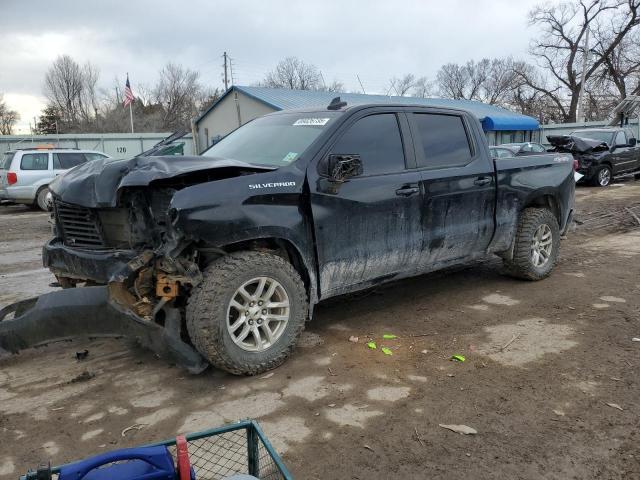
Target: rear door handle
407,190
482,181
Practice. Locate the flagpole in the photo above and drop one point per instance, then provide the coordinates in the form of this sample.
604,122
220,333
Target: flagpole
131,116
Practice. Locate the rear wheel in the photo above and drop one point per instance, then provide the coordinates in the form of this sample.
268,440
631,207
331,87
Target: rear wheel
42,199
248,313
602,178
536,245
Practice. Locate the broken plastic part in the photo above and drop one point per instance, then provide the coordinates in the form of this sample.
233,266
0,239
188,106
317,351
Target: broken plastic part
91,312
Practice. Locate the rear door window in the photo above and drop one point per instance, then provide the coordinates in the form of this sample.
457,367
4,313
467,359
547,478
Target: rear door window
34,161
443,139
537,148
6,161
64,161
377,140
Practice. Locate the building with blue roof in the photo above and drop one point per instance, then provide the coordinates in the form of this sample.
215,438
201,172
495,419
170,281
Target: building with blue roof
239,104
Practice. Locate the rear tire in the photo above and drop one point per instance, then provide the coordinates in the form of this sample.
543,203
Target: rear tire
602,177
536,245
228,297
41,199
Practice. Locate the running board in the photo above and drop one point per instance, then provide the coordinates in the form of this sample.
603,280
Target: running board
90,312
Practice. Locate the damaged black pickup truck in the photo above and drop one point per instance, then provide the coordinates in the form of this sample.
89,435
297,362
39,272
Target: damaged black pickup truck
296,207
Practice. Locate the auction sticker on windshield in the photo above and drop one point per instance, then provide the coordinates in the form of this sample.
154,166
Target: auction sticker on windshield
311,122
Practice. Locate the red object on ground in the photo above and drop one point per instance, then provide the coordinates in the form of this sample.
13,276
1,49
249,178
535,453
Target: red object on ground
184,466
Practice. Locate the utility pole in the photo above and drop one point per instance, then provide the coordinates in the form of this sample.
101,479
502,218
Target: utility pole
226,78
585,60
358,77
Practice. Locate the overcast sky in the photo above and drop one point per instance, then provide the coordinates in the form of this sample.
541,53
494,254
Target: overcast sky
371,38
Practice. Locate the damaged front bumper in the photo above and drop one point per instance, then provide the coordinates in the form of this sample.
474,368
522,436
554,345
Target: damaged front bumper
92,312
98,266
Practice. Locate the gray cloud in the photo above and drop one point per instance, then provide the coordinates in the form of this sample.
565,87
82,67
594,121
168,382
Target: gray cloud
374,39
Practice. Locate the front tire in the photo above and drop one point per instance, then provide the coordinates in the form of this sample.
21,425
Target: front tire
536,245
603,176
247,314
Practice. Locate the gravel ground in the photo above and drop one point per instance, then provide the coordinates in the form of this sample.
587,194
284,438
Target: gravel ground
550,381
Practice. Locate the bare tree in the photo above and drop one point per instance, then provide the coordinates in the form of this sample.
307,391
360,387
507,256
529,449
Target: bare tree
294,74
621,65
559,50
489,80
72,89
401,86
8,118
334,86
178,92
422,88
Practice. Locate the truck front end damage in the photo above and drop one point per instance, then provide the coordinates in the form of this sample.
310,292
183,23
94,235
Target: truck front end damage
113,233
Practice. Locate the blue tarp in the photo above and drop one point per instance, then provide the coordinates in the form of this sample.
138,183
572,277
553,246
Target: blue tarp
492,118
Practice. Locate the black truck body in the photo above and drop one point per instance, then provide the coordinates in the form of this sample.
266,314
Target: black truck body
602,153
377,193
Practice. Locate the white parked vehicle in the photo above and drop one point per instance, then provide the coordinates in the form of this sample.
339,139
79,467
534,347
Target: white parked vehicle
25,173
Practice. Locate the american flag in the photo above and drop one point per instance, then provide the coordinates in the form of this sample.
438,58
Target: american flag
128,94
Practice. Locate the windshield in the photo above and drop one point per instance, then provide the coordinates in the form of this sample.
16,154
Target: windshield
600,135
5,164
272,140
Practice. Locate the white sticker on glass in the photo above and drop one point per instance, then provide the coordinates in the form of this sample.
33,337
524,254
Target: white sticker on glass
313,122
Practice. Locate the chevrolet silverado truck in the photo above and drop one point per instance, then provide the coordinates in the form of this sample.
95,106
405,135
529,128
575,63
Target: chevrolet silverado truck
602,153
296,207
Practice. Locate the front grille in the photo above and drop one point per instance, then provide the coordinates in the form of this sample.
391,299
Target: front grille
79,226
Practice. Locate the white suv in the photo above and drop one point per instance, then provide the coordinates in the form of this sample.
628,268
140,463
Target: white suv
25,174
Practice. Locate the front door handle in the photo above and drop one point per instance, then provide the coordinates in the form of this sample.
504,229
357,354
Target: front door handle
480,181
407,190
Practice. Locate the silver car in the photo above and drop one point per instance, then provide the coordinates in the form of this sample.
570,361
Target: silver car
25,174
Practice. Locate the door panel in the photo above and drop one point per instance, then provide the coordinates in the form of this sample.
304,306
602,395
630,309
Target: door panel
367,228
458,185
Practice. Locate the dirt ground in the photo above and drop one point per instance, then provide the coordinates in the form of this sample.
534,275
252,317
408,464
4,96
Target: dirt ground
545,362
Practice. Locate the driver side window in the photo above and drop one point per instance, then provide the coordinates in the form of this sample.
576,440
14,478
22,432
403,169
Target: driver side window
621,139
377,140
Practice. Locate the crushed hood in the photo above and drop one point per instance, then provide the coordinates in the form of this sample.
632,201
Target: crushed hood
97,183
572,144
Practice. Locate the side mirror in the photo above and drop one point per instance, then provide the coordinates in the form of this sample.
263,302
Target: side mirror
341,167
632,142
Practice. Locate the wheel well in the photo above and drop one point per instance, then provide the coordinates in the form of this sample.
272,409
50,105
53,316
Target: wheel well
549,202
276,246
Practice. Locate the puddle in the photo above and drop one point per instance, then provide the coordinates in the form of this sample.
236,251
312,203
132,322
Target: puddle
534,338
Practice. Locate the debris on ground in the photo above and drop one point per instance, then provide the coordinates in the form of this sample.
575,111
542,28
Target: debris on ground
369,448
635,339
560,413
135,426
387,351
82,377
372,345
506,345
268,375
616,406
389,336
417,436
458,358
82,355
353,339
461,429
